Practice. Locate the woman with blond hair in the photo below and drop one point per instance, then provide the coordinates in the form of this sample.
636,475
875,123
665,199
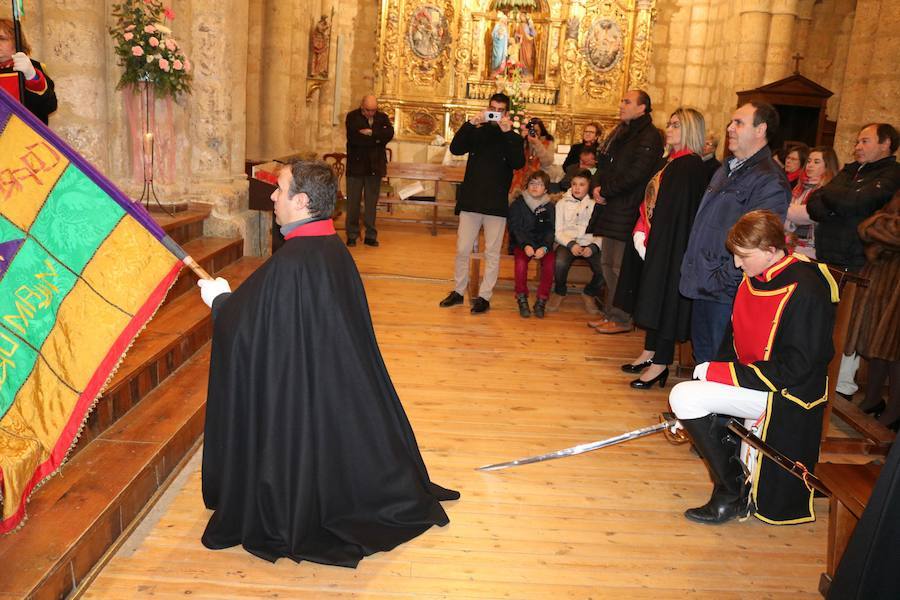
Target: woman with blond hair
821,166
660,238
40,97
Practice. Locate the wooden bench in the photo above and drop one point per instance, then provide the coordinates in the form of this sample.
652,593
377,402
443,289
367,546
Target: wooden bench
422,172
579,274
851,486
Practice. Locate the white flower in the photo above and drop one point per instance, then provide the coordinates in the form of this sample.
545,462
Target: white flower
163,28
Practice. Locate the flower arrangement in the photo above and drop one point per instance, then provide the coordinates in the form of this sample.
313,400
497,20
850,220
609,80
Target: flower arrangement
147,50
511,83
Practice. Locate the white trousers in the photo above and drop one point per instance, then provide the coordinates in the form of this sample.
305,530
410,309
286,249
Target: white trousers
846,383
470,224
695,399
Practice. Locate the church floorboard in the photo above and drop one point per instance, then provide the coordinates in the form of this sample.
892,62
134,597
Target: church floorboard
486,389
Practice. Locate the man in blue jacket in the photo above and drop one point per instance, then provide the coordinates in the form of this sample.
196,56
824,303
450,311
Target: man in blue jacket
495,151
749,180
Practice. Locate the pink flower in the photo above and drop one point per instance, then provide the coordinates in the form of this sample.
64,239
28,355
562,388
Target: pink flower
153,41
169,14
164,64
137,51
128,36
187,64
149,29
130,27
177,65
171,44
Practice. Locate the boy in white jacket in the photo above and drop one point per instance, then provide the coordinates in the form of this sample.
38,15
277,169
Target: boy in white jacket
573,213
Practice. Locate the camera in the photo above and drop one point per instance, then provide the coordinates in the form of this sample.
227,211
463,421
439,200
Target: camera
493,115
532,128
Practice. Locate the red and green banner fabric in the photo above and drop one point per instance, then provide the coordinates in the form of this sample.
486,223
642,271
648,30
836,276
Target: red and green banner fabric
82,271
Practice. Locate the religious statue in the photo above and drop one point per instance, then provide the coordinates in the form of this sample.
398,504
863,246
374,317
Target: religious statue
499,43
525,35
319,44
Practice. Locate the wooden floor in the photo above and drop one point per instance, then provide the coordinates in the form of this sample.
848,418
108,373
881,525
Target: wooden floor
481,389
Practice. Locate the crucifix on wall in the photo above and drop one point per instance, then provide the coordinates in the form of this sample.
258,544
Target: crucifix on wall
797,58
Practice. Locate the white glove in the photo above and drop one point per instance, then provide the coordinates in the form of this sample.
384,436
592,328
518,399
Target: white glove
211,288
700,371
22,64
640,243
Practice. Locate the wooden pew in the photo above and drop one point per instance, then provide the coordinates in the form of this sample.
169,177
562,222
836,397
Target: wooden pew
422,172
851,486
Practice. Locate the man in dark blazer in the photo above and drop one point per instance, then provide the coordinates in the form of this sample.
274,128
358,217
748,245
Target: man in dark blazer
368,130
628,159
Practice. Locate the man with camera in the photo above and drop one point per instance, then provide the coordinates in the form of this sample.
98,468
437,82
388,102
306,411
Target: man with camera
495,151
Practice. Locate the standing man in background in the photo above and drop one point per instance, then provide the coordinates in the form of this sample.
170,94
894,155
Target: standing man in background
368,131
628,160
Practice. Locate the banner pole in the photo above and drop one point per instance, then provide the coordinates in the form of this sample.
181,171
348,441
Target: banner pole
17,33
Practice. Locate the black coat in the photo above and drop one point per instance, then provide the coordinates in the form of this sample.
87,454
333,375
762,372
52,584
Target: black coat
365,153
658,304
711,165
850,198
308,453
40,105
493,156
622,174
528,228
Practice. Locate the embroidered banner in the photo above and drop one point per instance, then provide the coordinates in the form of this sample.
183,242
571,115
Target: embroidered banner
82,271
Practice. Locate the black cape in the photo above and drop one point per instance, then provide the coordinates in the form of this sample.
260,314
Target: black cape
308,453
868,569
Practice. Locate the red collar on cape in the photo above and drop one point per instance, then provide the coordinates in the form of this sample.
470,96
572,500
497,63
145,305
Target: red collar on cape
680,153
316,228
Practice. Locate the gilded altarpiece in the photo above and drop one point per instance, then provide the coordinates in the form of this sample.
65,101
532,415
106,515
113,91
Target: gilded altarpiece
567,62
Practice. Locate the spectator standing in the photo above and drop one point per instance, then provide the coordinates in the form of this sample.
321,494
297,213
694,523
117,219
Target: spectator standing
749,181
368,131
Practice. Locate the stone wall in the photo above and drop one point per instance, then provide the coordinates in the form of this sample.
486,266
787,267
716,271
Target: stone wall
704,51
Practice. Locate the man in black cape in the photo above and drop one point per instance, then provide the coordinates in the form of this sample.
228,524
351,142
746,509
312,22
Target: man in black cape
308,453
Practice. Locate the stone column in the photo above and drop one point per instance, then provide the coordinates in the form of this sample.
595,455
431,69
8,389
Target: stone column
752,44
218,117
74,50
782,42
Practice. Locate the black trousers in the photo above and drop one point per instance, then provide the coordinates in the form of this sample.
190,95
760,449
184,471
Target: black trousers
355,186
663,349
564,260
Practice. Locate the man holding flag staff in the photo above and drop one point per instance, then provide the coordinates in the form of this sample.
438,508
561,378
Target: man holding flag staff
39,94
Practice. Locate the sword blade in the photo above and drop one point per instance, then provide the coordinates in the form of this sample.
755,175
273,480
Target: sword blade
581,448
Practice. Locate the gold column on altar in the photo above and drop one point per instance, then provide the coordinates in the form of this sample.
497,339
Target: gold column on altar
567,62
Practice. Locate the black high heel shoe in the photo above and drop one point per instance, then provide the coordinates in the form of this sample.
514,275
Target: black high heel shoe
638,384
630,368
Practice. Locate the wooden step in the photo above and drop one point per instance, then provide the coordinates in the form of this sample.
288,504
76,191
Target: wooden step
77,516
184,226
177,331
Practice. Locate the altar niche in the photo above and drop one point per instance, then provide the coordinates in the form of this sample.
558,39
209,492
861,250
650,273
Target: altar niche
515,41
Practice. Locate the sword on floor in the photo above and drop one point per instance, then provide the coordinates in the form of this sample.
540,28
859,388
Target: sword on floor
669,425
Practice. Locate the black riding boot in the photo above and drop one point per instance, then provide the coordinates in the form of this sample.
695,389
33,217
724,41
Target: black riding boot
710,437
